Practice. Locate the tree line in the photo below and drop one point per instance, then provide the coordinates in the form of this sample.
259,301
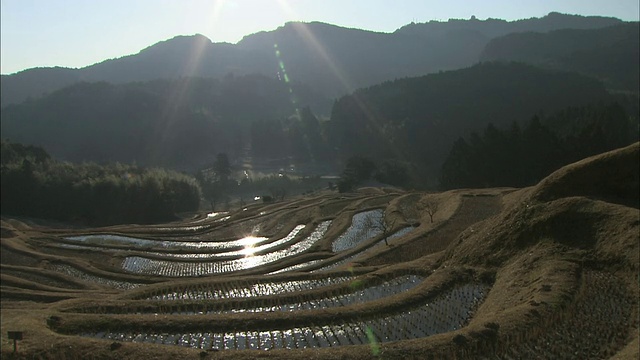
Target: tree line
518,157
417,119
35,185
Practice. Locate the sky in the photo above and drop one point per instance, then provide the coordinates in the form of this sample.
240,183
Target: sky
79,33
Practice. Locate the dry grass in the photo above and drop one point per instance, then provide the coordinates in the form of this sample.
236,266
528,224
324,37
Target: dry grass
561,258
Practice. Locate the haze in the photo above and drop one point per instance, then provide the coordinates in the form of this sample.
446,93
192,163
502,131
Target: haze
78,33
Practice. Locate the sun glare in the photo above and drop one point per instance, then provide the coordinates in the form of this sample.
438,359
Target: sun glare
251,240
249,243
192,64
248,251
315,45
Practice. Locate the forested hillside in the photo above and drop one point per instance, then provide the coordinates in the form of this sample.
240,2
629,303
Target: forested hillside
180,124
35,185
492,27
420,118
193,99
185,124
332,60
521,155
611,54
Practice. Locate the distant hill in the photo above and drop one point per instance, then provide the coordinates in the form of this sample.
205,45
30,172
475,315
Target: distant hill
492,28
331,59
418,119
183,124
180,124
611,54
182,56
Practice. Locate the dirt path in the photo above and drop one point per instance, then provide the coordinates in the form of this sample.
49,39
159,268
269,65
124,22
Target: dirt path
472,210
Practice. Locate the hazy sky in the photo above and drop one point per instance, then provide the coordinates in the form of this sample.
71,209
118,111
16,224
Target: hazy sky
78,33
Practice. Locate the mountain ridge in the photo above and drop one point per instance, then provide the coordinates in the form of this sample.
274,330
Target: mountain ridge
335,59
413,119
498,27
591,51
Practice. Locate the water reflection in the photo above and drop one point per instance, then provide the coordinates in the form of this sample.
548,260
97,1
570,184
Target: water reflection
450,311
212,292
108,239
378,245
311,265
388,288
71,271
143,265
364,226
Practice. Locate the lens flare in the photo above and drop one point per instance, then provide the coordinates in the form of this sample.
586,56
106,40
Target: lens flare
312,42
356,284
283,76
373,343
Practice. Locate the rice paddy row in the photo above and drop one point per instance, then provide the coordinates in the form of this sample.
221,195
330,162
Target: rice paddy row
448,312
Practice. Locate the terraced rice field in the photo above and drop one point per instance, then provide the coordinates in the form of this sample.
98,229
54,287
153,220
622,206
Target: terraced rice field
449,312
205,292
143,265
375,278
363,227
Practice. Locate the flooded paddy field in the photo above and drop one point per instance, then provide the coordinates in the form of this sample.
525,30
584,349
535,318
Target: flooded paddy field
369,275
448,313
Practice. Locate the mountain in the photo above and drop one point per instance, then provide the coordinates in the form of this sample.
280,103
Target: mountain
332,59
180,124
492,28
418,119
183,124
611,54
182,56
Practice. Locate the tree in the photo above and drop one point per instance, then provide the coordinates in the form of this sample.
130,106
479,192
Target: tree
35,185
222,168
431,207
457,168
278,191
212,189
381,225
214,181
357,170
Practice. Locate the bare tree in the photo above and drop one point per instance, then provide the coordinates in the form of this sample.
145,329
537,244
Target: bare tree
431,207
381,225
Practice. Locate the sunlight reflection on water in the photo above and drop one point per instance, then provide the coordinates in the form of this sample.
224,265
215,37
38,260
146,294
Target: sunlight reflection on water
143,265
450,311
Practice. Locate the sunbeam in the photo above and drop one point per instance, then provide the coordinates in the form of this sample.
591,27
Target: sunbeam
313,43
190,68
318,48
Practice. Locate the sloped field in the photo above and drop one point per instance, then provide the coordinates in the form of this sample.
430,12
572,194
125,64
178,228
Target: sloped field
544,272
